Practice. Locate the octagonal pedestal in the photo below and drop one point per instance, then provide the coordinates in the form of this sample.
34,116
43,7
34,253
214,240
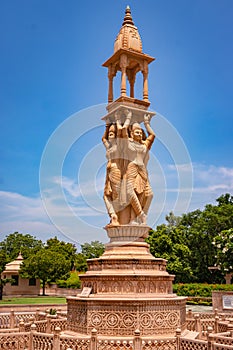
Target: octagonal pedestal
122,316
129,289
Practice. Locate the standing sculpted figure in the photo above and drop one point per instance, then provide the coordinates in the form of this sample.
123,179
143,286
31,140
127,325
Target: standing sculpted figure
139,192
112,141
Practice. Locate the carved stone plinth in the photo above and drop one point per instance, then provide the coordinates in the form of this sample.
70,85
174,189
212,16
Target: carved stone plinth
122,316
130,289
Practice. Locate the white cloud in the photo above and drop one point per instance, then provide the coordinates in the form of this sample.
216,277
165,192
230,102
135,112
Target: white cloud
28,215
24,214
213,178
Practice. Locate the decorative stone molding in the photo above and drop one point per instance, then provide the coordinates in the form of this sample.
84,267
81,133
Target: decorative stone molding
121,318
127,233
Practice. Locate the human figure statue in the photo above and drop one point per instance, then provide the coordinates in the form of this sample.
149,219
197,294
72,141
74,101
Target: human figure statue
139,192
112,142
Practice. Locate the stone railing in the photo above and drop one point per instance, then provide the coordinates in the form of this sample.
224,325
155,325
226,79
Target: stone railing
204,323
47,325
40,330
193,344
34,340
12,319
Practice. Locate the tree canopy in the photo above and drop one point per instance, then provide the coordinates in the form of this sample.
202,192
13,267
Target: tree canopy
186,241
224,247
68,250
18,242
93,249
47,265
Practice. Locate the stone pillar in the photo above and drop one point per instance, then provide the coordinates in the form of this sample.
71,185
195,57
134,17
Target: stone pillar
33,331
110,84
93,339
131,77
216,320
56,339
21,326
137,341
210,341
178,335
123,65
48,324
145,81
198,324
228,278
12,319
37,314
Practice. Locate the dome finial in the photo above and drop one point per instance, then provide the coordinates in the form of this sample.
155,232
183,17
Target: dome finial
128,18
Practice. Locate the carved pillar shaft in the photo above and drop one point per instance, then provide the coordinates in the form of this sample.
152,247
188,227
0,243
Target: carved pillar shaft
123,81
123,65
145,81
145,86
131,89
110,89
131,74
110,84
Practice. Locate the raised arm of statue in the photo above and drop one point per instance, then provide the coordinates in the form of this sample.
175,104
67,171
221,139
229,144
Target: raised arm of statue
126,124
105,136
118,124
151,134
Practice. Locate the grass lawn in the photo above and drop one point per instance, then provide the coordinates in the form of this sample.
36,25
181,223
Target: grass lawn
34,300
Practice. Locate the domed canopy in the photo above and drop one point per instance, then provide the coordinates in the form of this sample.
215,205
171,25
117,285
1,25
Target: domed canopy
14,266
128,37
129,59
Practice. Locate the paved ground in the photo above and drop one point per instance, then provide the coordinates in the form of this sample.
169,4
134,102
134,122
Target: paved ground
199,308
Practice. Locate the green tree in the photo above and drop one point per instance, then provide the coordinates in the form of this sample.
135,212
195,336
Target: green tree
3,261
72,281
68,250
225,199
16,242
80,262
47,265
201,228
224,247
93,249
168,242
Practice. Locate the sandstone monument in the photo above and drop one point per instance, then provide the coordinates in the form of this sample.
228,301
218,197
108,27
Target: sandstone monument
127,289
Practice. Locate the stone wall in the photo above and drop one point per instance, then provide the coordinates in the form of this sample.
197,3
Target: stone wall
222,300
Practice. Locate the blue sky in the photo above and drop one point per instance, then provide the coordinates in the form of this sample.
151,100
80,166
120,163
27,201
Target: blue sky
53,89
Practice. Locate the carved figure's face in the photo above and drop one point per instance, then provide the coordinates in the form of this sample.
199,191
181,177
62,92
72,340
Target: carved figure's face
137,134
111,133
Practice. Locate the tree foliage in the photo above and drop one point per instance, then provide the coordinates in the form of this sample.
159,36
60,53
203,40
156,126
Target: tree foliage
80,262
3,262
47,265
202,227
68,250
18,242
93,249
10,248
224,247
186,242
168,242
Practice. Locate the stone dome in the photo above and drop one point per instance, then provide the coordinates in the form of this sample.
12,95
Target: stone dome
128,37
14,266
